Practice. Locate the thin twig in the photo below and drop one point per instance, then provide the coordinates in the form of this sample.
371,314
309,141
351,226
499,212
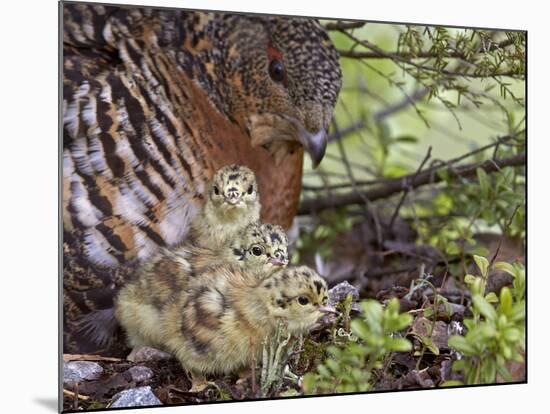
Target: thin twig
402,104
508,224
75,395
368,205
398,207
86,357
346,131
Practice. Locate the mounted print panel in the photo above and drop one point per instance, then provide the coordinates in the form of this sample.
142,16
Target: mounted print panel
263,206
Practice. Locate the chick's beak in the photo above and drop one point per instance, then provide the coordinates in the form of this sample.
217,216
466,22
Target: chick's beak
327,309
233,201
276,261
314,143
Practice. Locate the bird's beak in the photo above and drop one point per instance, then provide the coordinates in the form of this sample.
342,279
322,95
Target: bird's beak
314,143
270,129
327,309
275,261
232,201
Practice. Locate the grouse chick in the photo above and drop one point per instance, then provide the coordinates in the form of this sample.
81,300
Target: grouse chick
217,325
217,322
232,202
260,250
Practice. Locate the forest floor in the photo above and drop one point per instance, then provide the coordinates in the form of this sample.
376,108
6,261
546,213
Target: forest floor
377,271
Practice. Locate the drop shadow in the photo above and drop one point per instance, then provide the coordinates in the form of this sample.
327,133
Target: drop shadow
48,402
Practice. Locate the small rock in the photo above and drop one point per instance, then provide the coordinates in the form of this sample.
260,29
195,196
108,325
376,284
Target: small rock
339,292
140,373
135,397
78,371
146,353
439,335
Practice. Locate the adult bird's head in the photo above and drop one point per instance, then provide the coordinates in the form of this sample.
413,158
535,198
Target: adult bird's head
285,83
277,77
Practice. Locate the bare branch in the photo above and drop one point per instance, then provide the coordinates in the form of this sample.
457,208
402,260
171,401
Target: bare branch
344,25
504,140
395,186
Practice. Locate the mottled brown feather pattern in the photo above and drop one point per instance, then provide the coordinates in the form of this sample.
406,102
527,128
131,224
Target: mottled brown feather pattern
156,101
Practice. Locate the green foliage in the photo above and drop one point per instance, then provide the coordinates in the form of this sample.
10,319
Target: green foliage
350,368
490,201
407,85
496,332
405,90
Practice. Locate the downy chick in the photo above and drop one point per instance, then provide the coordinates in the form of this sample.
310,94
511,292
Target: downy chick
216,325
232,202
260,249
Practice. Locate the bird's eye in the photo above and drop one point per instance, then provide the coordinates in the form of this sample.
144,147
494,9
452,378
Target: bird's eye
277,70
250,189
216,190
257,251
302,300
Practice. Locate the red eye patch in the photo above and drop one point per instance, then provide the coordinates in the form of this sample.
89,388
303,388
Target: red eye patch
274,53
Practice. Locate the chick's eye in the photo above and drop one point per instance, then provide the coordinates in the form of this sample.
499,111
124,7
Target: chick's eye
216,190
257,251
302,300
250,189
277,70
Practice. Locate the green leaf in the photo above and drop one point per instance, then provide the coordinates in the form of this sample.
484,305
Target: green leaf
491,297
506,351
360,328
402,321
400,345
482,264
460,344
309,383
452,383
505,267
469,279
323,371
504,373
518,312
484,307
393,306
333,366
505,301
488,371
483,182
512,335
430,345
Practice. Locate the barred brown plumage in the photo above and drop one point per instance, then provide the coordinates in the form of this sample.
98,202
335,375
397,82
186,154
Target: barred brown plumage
154,102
